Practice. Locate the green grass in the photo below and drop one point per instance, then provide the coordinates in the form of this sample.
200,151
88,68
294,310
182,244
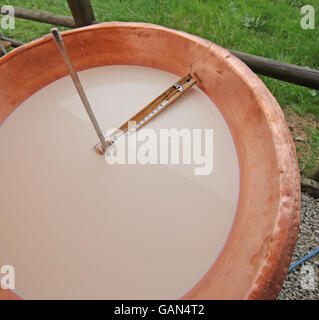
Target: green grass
310,159
267,28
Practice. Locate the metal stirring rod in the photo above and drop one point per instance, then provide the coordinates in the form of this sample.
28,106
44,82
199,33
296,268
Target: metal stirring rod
66,58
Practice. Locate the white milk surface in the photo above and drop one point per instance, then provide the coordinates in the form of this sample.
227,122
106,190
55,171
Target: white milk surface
76,227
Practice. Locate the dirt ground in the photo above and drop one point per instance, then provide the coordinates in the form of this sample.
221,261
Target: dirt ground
299,128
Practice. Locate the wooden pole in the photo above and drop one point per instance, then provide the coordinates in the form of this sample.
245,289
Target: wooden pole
82,12
280,70
314,174
310,186
46,17
5,44
83,15
14,43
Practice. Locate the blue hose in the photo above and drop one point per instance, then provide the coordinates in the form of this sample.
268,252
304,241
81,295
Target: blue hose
293,266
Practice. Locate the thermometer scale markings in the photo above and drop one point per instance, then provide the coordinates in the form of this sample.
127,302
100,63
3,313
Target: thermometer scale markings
133,129
113,139
147,117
